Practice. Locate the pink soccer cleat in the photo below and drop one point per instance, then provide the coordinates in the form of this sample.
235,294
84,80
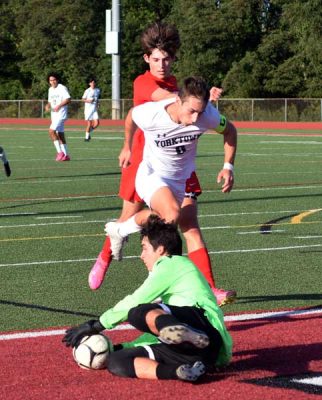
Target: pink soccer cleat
65,158
98,271
224,296
60,156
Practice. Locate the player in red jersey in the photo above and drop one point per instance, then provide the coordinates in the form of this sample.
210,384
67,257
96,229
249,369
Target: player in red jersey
160,43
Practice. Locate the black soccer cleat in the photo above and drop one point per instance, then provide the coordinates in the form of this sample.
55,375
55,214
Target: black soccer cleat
190,373
177,334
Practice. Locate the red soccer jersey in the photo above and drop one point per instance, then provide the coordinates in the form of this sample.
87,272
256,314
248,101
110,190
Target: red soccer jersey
143,87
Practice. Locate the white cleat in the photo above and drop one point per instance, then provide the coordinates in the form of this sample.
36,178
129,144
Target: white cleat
117,241
188,372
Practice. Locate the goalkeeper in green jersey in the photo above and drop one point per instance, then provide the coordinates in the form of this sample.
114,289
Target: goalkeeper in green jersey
184,335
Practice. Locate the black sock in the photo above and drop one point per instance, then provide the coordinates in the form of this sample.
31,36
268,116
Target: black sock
165,371
165,320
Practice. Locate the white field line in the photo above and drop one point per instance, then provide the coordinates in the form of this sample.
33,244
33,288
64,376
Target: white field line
258,232
98,138
314,380
199,216
292,155
206,228
41,181
103,221
264,249
259,250
308,237
313,133
268,188
204,191
290,142
278,173
228,318
61,216
61,198
272,154
250,213
37,181
53,223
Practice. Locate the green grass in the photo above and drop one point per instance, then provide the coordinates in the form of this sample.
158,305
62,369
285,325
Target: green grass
52,217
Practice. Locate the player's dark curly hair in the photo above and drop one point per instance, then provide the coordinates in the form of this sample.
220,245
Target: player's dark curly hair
194,86
53,74
162,36
160,233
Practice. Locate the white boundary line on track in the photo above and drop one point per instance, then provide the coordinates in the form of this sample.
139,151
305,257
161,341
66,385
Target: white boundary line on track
229,318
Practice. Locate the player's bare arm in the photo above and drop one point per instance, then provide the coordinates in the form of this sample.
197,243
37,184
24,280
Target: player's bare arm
62,104
230,147
130,128
48,107
161,94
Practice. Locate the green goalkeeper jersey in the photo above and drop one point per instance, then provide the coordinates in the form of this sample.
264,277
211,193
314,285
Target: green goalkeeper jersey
178,282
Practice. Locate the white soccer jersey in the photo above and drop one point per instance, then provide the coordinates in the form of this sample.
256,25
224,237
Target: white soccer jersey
91,94
170,148
56,96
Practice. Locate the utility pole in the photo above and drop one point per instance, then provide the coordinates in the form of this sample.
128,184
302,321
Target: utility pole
113,48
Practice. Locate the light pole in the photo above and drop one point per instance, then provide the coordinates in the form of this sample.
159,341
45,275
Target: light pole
113,48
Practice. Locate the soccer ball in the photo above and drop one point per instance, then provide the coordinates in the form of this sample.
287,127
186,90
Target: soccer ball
93,351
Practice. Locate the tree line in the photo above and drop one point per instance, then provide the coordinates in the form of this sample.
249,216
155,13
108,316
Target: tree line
251,48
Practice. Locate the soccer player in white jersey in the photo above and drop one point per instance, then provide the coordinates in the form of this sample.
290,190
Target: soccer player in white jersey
171,128
90,98
58,100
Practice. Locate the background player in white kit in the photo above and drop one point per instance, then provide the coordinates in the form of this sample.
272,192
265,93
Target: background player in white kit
171,128
90,98
58,100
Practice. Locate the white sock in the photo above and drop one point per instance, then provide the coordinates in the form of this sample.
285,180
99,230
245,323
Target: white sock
64,148
128,227
87,135
57,146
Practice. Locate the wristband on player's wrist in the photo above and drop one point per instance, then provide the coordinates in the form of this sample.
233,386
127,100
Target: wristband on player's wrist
229,166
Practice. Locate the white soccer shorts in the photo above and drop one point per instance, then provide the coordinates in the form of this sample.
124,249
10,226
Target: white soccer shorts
57,125
90,115
147,182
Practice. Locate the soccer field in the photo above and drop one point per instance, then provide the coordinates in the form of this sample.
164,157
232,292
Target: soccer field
264,238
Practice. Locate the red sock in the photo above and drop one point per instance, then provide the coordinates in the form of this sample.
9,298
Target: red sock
201,259
106,251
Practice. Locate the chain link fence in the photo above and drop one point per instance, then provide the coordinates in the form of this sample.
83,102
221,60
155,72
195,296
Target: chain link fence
288,110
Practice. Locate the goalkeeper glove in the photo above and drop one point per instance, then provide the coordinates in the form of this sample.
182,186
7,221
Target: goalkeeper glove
74,335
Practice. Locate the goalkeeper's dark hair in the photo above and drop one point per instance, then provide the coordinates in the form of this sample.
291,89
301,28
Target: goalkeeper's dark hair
161,233
161,36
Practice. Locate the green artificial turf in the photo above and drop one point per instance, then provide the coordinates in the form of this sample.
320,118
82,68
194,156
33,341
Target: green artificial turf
52,217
